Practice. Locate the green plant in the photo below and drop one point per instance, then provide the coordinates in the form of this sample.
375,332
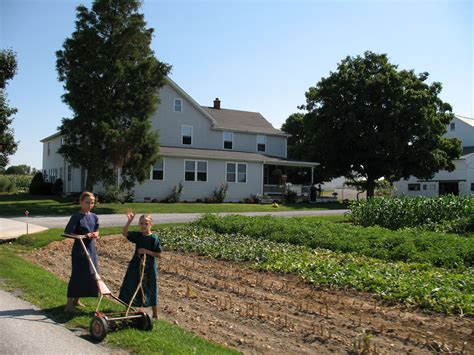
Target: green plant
220,193
175,195
290,196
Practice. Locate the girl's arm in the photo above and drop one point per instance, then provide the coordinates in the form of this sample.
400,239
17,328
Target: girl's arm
149,252
130,217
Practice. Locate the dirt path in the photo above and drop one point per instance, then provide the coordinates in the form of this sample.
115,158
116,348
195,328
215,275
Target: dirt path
258,312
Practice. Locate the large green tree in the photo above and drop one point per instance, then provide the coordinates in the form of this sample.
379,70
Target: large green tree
369,120
8,68
294,126
111,78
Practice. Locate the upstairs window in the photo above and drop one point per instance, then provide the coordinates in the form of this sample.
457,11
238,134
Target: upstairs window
69,173
228,140
452,126
187,135
158,171
178,105
261,143
49,148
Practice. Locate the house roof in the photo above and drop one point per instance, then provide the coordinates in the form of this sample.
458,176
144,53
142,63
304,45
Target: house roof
55,135
467,150
466,120
229,155
243,121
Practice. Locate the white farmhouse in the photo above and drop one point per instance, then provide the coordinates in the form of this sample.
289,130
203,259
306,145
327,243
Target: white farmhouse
203,148
458,182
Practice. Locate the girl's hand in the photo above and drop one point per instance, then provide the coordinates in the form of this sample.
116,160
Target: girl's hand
92,235
141,251
130,216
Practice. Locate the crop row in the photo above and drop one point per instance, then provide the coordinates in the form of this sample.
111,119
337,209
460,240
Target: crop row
402,212
413,284
410,245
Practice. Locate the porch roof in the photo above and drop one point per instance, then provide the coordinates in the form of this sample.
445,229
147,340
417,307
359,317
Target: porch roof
230,155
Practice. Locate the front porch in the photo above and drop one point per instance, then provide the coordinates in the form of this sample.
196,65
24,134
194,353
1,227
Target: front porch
294,176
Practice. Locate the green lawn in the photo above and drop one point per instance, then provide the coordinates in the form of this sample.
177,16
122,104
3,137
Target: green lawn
46,291
15,205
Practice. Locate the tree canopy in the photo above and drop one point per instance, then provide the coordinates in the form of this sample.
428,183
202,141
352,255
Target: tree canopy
370,120
8,68
111,78
22,169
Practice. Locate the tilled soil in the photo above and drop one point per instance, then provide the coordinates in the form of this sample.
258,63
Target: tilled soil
262,312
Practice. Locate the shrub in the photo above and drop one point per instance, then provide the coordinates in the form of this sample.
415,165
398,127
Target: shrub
290,196
58,187
38,177
175,195
7,185
41,188
219,194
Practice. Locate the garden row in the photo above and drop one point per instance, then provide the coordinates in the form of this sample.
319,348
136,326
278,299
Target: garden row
410,245
413,284
446,213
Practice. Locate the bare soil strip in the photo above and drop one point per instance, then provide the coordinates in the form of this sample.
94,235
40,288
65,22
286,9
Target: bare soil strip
262,312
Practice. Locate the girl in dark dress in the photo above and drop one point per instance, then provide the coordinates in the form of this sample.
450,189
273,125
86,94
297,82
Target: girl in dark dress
82,282
147,244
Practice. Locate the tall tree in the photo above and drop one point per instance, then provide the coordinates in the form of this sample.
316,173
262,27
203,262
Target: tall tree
8,68
22,169
111,78
370,120
294,126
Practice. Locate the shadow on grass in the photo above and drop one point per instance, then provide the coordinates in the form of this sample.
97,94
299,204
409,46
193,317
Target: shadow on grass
58,314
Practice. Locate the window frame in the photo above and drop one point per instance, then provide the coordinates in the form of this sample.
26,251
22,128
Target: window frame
224,140
182,135
196,170
236,173
176,99
264,144
413,185
452,126
152,169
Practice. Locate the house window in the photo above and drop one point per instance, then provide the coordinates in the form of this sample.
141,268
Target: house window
195,170
261,143
472,186
62,140
61,173
178,105
228,140
453,126
425,187
236,172
49,149
158,171
413,187
187,135
69,173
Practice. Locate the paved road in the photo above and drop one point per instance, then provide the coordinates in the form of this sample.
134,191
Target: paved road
26,330
111,220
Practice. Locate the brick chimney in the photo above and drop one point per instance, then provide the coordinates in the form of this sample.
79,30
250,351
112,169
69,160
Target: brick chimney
217,104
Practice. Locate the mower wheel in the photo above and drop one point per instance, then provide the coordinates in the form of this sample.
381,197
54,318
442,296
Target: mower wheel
145,322
98,328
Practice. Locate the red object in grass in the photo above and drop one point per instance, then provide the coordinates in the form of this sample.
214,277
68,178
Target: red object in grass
27,213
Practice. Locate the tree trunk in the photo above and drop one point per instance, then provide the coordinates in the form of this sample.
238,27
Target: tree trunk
370,187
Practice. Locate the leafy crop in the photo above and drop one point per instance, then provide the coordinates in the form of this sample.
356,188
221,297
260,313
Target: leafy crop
402,212
410,245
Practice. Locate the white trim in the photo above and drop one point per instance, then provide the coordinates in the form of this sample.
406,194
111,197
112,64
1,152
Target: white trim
174,104
223,140
196,170
262,151
192,135
151,171
236,163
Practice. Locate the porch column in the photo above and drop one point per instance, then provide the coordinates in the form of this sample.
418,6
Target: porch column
312,175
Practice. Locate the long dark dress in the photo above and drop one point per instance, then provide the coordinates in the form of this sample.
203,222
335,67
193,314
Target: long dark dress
82,282
149,296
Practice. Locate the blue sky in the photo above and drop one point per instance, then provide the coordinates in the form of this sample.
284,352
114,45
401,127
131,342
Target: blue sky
256,55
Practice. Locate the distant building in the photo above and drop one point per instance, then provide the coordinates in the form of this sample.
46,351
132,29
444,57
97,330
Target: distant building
458,182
